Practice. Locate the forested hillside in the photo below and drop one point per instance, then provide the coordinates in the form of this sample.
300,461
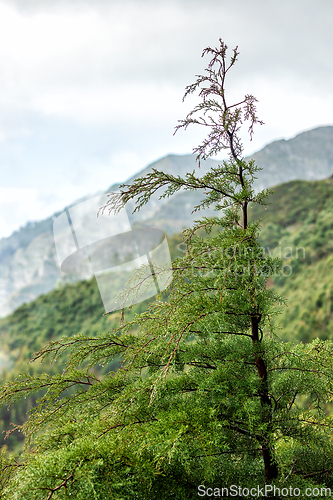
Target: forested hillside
297,225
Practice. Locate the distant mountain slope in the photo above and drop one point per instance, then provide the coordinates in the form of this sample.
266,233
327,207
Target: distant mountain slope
28,266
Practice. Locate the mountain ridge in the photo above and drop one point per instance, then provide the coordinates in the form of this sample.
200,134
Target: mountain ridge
28,265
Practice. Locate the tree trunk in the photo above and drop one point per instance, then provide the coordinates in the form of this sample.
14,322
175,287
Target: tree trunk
271,470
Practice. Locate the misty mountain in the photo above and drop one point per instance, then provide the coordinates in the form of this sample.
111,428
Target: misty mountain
308,156
28,262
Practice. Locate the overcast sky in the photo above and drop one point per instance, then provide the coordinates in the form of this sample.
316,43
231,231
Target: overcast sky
90,90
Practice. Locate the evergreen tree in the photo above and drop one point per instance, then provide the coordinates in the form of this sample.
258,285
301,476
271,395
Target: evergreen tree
207,396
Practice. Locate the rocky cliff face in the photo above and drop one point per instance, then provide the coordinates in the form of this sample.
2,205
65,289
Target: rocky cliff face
308,156
28,263
29,272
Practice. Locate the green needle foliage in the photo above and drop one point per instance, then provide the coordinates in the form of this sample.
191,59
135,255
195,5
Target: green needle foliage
206,393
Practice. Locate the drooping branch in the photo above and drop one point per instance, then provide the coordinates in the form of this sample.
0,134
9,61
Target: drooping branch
57,488
142,189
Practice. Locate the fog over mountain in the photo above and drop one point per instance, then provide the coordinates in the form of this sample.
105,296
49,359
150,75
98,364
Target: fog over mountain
28,263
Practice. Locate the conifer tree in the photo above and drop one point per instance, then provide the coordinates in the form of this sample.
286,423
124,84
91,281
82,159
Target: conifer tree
207,396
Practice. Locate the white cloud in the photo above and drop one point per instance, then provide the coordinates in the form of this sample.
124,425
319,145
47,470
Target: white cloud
81,69
108,61
138,105
17,206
